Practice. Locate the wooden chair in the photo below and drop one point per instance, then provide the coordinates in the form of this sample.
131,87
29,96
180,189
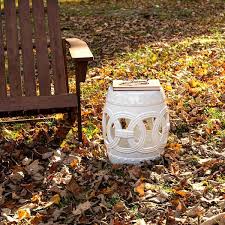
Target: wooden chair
33,74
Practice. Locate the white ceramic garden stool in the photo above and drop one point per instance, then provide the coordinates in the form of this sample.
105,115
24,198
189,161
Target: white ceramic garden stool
135,125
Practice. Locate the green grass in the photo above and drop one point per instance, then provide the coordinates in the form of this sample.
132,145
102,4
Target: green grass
113,200
90,130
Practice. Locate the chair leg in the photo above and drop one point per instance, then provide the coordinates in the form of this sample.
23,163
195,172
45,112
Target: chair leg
81,71
72,116
79,119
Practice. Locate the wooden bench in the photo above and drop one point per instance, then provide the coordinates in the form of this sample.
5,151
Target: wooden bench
33,71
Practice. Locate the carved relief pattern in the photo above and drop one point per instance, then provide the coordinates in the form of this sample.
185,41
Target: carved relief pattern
129,133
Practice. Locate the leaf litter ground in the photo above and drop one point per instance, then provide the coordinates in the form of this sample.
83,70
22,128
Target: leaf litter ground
46,178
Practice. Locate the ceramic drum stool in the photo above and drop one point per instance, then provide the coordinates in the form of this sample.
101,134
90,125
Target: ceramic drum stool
135,124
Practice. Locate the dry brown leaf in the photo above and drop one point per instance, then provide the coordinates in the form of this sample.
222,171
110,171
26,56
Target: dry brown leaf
174,168
217,219
195,211
181,206
116,222
170,217
135,171
110,190
81,208
33,168
16,176
119,207
74,187
37,219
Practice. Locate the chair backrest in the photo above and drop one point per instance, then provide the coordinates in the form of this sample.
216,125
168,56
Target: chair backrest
31,52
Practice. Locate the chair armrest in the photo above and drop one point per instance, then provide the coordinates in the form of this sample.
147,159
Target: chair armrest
79,50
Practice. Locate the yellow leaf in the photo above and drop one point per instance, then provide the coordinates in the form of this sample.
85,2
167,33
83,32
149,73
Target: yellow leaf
23,214
193,83
36,198
168,88
55,199
154,58
64,144
59,116
140,189
201,71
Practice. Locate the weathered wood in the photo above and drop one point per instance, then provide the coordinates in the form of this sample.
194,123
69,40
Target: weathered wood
27,48
35,112
2,11
81,70
33,44
79,118
3,90
64,42
24,103
30,104
56,47
79,50
9,121
12,48
41,47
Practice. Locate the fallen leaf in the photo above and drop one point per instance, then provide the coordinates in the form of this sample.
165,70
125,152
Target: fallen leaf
74,187
168,88
33,168
37,219
74,163
195,211
23,213
140,188
119,206
55,199
182,193
140,222
81,208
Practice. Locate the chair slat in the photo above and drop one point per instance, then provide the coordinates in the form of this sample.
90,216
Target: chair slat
25,103
56,47
41,47
12,48
27,48
3,90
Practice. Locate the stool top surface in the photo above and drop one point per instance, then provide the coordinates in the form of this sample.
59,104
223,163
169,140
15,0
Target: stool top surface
136,85
135,98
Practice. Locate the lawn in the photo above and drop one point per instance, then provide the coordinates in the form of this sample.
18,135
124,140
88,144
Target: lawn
46,178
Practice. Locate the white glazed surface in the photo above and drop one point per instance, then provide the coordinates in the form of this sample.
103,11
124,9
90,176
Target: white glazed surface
136,143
